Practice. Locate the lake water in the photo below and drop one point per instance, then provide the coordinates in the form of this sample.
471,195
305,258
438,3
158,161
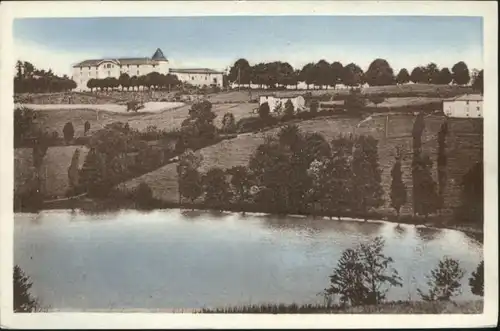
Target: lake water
192,259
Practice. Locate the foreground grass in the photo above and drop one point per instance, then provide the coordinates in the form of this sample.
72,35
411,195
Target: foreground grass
401,307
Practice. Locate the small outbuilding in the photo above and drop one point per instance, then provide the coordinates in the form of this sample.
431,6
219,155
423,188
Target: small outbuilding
277,104
464,106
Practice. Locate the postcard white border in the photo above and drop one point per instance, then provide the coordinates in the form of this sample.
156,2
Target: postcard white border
11,10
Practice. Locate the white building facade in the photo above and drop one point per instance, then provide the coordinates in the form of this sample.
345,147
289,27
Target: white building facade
104,68
277,104
465,106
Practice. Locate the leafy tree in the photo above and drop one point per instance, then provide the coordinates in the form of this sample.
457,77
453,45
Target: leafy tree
322,74
376,100
432,73
264,111
367,187
188,161
379,73
202,111
23,299
190,185
428,199
352,75
355,101
478,82
346,280
73,171
124,80
471,209
272,169
241,181
19,69
307,74
336,73
86,128
289,109
316,147
216,188
443,281
445,76
338,183
418,75
23,123
418,129
476,281
240,72
290,136
398,188
228,123
363,275
461,74
93,173
403,76
442,161
91,84
313,107
68,132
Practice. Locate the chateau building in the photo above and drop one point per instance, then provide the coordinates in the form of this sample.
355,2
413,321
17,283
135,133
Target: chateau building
104,68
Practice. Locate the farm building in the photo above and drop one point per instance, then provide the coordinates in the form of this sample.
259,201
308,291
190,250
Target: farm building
465,106
104,68
278,103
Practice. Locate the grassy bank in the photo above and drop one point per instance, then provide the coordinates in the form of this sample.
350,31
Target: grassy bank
399,307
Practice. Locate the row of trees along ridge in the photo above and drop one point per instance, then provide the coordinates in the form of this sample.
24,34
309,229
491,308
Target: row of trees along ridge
322,74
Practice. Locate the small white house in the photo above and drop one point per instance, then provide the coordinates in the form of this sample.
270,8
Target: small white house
277,104
465,106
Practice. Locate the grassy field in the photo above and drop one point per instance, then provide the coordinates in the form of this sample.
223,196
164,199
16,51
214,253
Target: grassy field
422,90
54,171
464,149
406,307
54,120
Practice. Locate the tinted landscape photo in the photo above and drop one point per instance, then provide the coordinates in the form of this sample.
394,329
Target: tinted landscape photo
250,164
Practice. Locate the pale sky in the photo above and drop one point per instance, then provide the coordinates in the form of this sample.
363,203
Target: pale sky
216,42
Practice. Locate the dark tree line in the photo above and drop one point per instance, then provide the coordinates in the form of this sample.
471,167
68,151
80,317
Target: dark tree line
323,74
28,79
153,80
293,172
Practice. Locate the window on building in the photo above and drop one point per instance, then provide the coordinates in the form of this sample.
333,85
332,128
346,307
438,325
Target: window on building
109,73
128,66
89,68
137,72
467,102
192,78
215,82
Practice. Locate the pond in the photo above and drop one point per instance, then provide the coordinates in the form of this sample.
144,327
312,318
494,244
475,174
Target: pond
170,259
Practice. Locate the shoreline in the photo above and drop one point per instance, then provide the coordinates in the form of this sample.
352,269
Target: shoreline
118,204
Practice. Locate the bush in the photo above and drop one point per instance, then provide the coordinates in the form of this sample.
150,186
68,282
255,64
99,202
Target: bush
361,274
264,111
249,124
143,196
443,281
23,300
476,281
134,105
314,106
68,132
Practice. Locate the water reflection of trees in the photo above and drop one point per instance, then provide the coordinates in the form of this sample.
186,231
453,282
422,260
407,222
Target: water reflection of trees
312,225
427,234
400,231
